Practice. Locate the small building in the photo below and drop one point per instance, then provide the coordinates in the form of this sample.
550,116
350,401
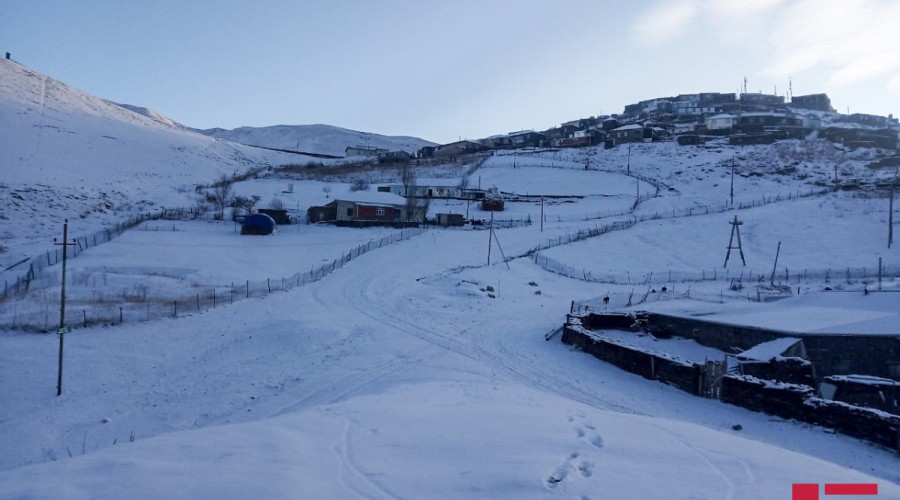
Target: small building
527,139
364,151
448,220
724,121
609,123
496,142
394,157
756,122
815,102
458,148
364,209
279,215
324,213
884,139
763,101
866,119
627,133
430,190
425,152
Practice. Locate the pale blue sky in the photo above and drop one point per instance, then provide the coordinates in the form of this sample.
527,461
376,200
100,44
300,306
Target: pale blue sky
445,70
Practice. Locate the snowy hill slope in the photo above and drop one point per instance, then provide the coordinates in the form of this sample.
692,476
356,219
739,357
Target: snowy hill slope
152,114
322,139
67,154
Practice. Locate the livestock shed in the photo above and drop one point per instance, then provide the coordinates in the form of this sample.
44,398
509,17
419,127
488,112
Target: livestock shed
448,220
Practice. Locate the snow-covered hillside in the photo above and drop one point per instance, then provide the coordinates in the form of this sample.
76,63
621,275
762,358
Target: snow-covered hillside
320,139
67,154
415,370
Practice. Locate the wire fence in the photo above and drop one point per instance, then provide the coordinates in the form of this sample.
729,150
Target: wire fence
86,308
674,214
503,223
784,276
19,281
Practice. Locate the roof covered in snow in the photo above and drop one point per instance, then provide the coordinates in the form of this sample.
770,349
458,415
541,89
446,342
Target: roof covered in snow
816,313
768,350
375,197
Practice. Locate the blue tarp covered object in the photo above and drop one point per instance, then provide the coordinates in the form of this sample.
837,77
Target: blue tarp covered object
258,224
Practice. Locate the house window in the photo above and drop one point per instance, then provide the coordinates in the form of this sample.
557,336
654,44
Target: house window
379,212
350,212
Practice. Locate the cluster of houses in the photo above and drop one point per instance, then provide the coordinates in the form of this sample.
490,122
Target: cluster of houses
746,118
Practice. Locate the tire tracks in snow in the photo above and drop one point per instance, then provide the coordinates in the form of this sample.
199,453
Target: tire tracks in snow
351,476
365,295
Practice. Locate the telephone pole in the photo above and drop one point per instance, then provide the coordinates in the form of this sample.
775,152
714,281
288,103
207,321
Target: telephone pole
490,237
732,181
891,219
628,167
542,213
62,303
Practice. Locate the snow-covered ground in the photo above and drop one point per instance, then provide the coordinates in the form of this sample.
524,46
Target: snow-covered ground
416,370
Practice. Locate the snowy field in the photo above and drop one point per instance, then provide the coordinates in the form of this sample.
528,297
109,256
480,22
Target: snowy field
416,370
845,232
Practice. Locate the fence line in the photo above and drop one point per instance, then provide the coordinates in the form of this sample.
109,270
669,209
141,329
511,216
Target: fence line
689,212
785,276
37,263
131,307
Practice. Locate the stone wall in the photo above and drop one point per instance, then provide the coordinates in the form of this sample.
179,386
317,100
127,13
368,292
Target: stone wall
786,400
798,402
667,369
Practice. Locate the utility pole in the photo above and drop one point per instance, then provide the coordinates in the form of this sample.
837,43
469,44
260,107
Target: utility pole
628,168
891,219
62,303
490,237
542,213
772,279
732,181
736,229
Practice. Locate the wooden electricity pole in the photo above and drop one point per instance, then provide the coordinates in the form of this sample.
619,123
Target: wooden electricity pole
774,267
891,219
542,213
490,237
628,168
735,229
62,303
732,180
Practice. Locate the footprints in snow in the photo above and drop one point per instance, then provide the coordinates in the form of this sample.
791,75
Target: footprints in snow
587,438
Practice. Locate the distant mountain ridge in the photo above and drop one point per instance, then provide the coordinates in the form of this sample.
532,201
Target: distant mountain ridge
322,139
152,114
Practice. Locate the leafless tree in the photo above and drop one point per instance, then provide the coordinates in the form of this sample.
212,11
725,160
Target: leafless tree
359,184
222,193
408,179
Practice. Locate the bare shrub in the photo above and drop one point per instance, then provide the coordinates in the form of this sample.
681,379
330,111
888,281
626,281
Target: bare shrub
359,184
